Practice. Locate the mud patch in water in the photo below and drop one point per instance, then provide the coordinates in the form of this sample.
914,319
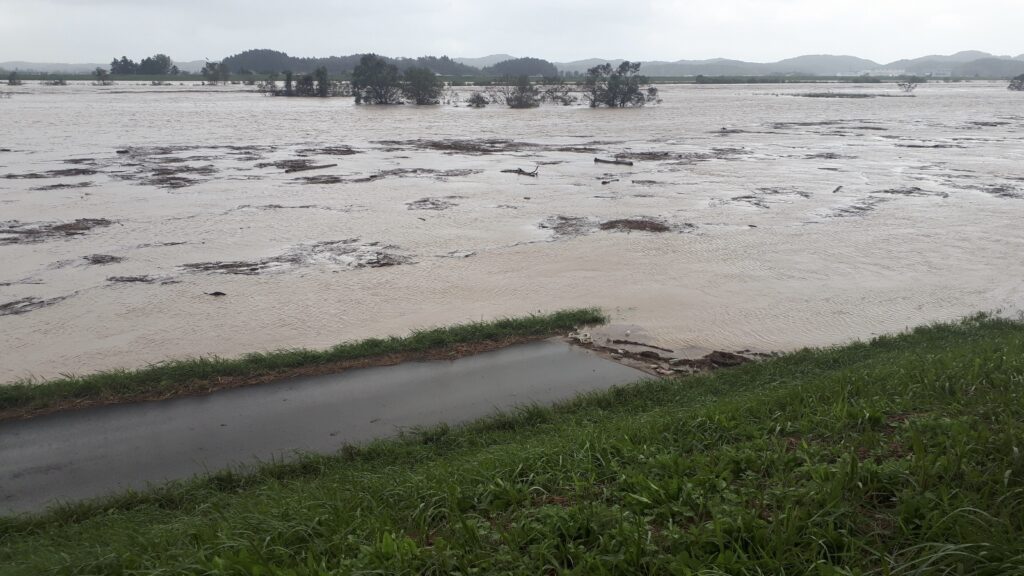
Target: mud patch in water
15,232
65,173
26,305
858,208
568,226
828,156
63,186
439,175
349,253
433,203
635,225
143,279
690,158
763,197
912,191
101,259
327,151
480,147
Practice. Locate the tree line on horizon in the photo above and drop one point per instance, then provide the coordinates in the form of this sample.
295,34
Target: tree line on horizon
376,80
263,61
156,65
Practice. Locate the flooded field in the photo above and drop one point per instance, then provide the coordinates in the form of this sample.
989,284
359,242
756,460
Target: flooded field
751,218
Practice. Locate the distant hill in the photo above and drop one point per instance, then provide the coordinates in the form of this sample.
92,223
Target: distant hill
485,61
52,67
84,68
970,63
990,68
824,65
582,66
522,67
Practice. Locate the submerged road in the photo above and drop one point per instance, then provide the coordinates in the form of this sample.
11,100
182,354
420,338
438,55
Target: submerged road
92,452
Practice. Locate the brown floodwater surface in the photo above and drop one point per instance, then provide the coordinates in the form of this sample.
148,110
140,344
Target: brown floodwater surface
751,218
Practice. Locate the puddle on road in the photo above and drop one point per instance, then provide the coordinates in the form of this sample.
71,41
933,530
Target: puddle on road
92,452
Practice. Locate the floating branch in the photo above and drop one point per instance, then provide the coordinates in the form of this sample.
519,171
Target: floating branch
621,162
522,172
305,168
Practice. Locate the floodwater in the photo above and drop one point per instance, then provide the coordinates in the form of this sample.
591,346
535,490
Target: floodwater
88,453
785,221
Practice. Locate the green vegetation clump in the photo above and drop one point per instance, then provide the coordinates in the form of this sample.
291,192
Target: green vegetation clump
375,81
618,87
216,73
198,374
477,100
899,456
421,86
1017,84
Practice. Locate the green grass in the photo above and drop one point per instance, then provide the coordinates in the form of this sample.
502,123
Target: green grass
168,378
897,456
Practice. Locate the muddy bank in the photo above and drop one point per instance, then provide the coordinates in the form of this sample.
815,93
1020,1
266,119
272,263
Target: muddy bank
658,360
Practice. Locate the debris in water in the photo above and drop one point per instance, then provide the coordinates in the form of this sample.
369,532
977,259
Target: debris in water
310,167
25,305
15,232
522,172
620,162
100,259
433,203
635,225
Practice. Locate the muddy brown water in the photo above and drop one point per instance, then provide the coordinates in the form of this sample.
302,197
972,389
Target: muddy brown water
791,221
75,455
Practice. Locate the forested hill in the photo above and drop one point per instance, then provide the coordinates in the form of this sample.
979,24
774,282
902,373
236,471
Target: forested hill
265,61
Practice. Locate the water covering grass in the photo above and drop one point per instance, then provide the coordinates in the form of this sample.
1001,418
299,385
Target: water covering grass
897,456
195,374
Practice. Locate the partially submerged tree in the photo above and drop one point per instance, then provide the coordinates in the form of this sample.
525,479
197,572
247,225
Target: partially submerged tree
521,93
1017,84
13,80
421,86
477,100
289,82
323,82
157,65
123,66
215,72
618,87
102,77
305,86
910,84
558,92
375,81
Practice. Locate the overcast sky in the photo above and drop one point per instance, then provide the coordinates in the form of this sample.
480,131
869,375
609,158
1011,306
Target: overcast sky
558,30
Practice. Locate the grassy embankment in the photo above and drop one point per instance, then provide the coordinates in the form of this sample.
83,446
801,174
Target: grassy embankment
199,375
898,456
